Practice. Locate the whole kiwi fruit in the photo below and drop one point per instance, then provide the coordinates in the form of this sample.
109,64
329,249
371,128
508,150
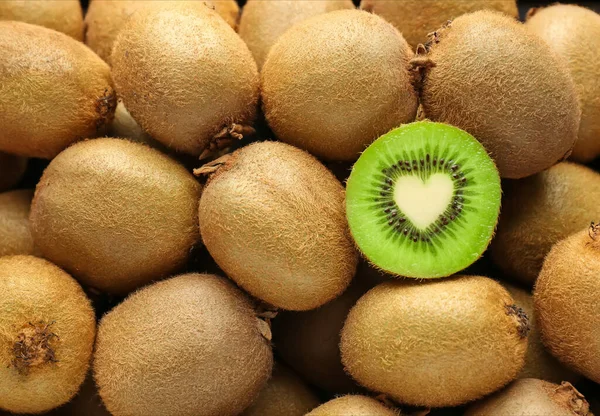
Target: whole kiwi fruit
204,92
55,91
116,214
529,397
539,211
47,330
194,338
354,405
566,301
272,216
428,15
517,98
333,96
12,169
263,22
15,235
435,344
573,32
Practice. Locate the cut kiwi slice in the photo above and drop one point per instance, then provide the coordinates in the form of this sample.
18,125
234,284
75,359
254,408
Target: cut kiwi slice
423,200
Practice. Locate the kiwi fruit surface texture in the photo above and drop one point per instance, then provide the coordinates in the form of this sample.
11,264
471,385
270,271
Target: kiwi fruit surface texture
573,32
517,98
423,200
12,169
272,217
263,22
538,212
116,214
435,344
566,301
47,330
333,96
15,236
194,338
354,405
55,91
532,397
186,77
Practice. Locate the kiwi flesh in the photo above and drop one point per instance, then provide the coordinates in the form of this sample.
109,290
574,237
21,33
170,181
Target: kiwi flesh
15,235
363,94
47,330
529,396
354,405
263,22
573,32
56,91
194,338
12,169
539,211
272,216
439,343
194,89
517,98
423,200
116,214
566,301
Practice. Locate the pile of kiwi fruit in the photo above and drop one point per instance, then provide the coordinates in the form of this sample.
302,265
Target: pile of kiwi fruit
299,208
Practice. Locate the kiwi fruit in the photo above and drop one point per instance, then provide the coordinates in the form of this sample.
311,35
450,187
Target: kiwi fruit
116,214
439,343
12,169
263,22
285,394
566,301
194,338
333,95
529,396
47,330
186,77
55,91
272,216
517,98
573,32
15,235
354,405
539,211
423,200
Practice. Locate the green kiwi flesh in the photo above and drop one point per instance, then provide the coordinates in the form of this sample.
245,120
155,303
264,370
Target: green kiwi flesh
12,169
354,405
15,235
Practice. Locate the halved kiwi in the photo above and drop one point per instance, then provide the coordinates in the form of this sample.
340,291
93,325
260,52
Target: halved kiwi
423,200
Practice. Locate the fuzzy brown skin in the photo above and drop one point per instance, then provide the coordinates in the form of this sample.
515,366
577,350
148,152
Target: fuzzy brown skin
532,397
263,22
47,330
487,74
12,169
15,235
187,346
333,96
273,218
184,75
355,406
435,344
566,301
427,16
117,214
539,211
86,403
573,32
55,91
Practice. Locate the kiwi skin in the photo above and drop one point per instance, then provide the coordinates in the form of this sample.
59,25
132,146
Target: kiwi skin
58,91
539,211
86,403
213,327
566,296
354,405
15,235
12,169
45,307
108,193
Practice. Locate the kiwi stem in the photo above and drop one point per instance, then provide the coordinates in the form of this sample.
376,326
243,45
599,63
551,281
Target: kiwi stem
575,400
264,328
593,232
32,347
105,107
211,167
522,319
226,137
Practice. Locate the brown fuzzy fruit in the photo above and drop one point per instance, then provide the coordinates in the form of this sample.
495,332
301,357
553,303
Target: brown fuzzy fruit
435,344
188,346
12,169
539,211
566,301
117,214
263,22
47,329
532,397
573,32
354,405
15,236
334,95
186,77
487,74
55,91
273,218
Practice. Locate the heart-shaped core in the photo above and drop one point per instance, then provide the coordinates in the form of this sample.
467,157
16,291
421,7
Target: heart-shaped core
423,201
